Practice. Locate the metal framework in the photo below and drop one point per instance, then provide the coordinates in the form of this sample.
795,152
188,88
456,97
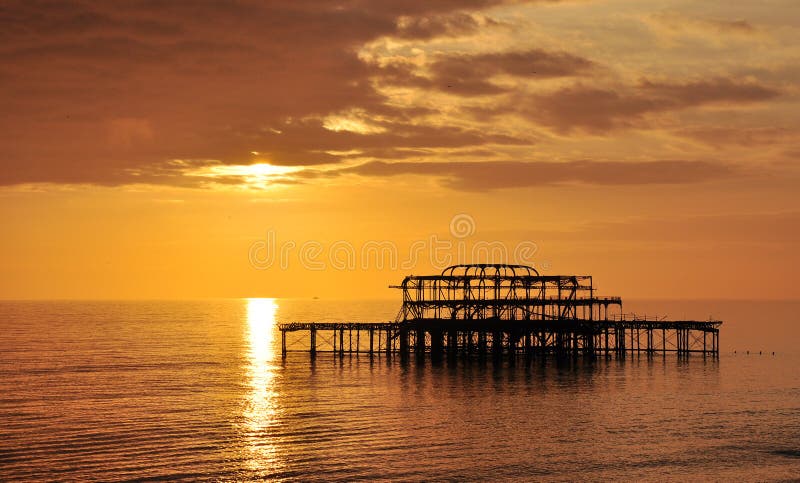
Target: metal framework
505,309
501,292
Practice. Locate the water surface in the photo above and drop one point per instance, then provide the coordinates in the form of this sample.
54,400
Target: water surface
197,390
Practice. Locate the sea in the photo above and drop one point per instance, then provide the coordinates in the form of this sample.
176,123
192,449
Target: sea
199,391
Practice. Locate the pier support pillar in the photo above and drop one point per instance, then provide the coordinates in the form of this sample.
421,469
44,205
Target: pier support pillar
371,341
497,343
403,341
437,343
420,341
452,342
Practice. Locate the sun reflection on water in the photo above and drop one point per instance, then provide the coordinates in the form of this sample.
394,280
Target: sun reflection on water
261,410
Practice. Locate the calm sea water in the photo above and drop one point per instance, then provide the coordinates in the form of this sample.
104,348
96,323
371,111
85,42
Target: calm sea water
197,390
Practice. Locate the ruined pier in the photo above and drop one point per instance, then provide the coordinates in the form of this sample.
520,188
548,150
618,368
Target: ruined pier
498,309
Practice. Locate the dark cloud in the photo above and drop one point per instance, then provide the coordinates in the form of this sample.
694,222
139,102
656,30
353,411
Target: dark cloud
483,176
299,143
530,63
596,109
441,25
676,22
112,92
93,91
708,91
292,146
28,21
737,136
471,75
741,26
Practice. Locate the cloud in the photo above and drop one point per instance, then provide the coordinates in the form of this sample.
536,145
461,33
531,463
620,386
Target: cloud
441,25
709,91
308,142
126,133
718,136
113,92
598,109
484,176
672,23
471,75
205,79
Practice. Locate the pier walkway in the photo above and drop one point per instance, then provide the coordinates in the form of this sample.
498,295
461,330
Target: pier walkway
509,337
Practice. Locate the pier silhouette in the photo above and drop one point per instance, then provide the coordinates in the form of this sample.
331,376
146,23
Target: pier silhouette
504,309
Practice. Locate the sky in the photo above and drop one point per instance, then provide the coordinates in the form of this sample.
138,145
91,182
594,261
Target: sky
168,149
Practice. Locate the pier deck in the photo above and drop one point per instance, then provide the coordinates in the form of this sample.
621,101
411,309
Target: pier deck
438,336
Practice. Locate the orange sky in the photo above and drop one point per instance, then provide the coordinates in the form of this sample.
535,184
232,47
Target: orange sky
149,150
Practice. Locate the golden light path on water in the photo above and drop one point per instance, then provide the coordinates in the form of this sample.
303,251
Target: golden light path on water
260,409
